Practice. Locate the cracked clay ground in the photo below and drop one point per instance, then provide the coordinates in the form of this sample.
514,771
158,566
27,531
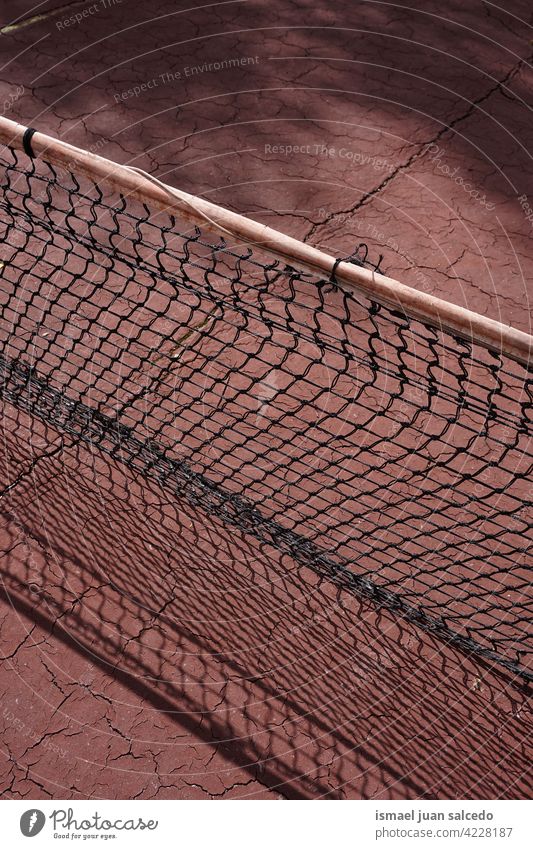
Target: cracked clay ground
146,654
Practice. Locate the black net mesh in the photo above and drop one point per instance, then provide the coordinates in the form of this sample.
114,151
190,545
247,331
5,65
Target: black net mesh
387,455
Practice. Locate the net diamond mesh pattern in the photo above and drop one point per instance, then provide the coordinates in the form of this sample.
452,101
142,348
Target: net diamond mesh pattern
385,454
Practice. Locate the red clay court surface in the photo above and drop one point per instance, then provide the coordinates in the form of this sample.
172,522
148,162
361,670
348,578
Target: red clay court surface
149,654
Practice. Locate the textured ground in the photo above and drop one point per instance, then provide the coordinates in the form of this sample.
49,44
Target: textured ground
145,655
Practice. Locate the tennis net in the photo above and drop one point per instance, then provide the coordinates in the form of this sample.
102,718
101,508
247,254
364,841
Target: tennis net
386,453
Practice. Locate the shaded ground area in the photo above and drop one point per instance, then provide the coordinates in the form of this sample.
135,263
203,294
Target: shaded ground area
146,652
149,654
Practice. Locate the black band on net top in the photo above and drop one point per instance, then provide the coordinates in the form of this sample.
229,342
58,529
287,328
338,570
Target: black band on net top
26,142
357,259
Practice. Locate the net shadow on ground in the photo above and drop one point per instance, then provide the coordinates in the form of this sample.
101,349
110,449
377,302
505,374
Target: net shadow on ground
308,689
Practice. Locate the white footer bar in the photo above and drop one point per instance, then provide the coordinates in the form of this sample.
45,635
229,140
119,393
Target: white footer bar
191,824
